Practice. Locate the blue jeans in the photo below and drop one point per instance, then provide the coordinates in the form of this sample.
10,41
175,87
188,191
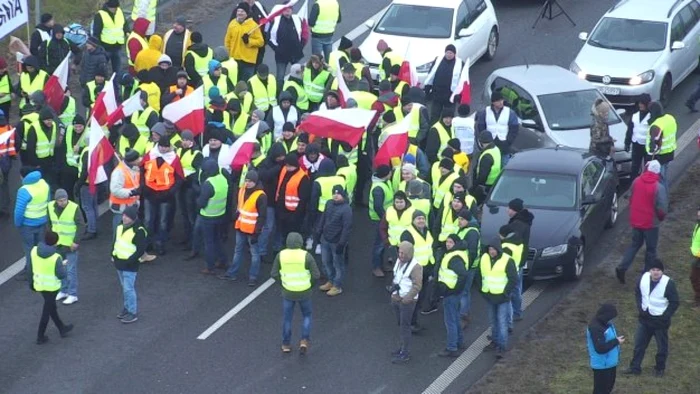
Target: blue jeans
115,57
128,281
288,313
662,175
186,202
241,241
69,284
450,306
322,46
499,323
245,71
377,250
116,221
640,237
333,263
156,213
213,247
268,231
465,302
31,236
516,299
88,202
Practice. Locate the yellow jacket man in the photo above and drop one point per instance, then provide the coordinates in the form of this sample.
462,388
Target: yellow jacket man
243,41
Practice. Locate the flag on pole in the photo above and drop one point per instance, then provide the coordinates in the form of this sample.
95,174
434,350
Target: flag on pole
393,143
277,11
100,152
343,90
188,112
345,124
408,73
105,103
464,88
241,151
303,14
55,87
125,109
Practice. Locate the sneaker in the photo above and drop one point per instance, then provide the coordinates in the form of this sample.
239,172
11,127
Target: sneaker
224,276
309,243
326,286
620,274
449,353
129,318
303,346
88,236
658,373
318,250
66,329
122,314
286,349
42,340
401,358
429,310
630,371
252,283
70,300
378,273
61,295
147,258
334,291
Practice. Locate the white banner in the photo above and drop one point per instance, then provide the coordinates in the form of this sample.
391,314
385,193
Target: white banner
13,14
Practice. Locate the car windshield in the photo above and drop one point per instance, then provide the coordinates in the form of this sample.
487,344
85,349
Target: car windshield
572,110
416,21
540,190
629,35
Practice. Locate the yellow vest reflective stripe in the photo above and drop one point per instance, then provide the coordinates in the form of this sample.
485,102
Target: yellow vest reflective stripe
668,126
444,135
221,83
5,87
186,160
112,29
139,119
450,224
326,184
44,145
302,99
36,207
388,198
124,246
495,154
334,59
140,146
217,203
44,271
64,225
264,97
66,117
201,63
141,40
232,67
71,156
446,275
316,87
422,247
349,174
440,189
515,251
328,12
358,69
395,60
291,148
493,277
397,225
239,125
293,272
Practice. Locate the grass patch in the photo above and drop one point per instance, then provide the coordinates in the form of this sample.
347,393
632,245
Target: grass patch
552,358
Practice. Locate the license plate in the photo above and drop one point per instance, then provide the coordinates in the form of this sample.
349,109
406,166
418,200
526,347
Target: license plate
609,90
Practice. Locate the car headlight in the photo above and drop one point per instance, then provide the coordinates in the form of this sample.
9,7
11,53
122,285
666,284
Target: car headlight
555,250
574,68
644,77
425,68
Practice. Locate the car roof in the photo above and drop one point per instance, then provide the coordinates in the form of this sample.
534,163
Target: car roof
539,79
646,10
434,3
555,160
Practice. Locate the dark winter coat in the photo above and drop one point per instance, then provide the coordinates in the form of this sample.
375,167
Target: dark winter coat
521,223
336,223
90,62
35,41
140,241
52,52
288,48
163,78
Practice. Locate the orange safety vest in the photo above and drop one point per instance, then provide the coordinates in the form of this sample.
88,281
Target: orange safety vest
188,90
7,147
247,211
291,191
159,178
129,183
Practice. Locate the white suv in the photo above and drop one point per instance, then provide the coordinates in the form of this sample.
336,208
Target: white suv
641,46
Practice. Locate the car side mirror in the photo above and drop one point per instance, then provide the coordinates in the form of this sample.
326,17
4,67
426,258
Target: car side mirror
676,45
531,124
583,36
589,200
369,23
466,32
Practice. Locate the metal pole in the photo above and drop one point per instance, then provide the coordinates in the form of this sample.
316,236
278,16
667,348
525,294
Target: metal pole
37,11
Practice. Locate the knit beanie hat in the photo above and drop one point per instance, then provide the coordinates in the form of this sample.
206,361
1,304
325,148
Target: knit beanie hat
243,6
417,214
292,159
45,114
657,264
132,212
516,204
131,155
447,164
187,135
383,171
465,214
252,176
50,238
60,194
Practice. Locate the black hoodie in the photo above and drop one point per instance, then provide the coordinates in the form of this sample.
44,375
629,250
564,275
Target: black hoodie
52,52
521,223
511,273
601,323
269,169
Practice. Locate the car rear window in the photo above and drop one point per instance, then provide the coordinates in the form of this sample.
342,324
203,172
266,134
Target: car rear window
540,190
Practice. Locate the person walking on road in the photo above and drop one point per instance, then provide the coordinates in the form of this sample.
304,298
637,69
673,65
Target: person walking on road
46,268
381,197
323,19
31,211
636,137
604,348
452,277
418,235
520,222
125,186
295,268
661,139
498,277
648,208
695,265
407,283
657,301
285,41
211,205
692,99
130,244
470,234
334,233
67,222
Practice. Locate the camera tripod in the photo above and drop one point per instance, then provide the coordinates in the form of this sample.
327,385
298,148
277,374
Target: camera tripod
546,12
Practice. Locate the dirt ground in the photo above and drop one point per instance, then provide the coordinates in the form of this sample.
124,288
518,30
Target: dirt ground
552,358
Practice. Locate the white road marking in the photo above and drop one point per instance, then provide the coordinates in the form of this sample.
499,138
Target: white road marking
361,29
234,311
477,347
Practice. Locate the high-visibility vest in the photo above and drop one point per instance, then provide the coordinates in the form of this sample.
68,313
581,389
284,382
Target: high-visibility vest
516,252
201,63
334,59
255,163
246,100
449,222
139,119
291,190
293,272
443,134
440,189
83,156
653,301
6,88
326,184
71,156
44,145
231,66
695,242
352,156
414,126
29,86
388,198
7,146
358,69
188,90
399,88
364,100
445,274
153,92
131,182
395,60
292,147
462,234
186,160
66,117
302,99
278,119
495,154
185,41
92,91
263,96
247,211
397,225
493,275
36,207
113,28
44,271
498,127
150,14
221,83
328,13
216,206
668,126
144,45
159,178
315,87
349,174
422,247
28,122
238,126
64,225
140,146
423,205
175,140
124,246
469,200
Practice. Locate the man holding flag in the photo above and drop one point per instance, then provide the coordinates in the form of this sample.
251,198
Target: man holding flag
442,81
244,41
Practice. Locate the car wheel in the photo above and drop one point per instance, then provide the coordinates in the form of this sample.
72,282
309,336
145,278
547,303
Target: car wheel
574,270
492,44
612,217
665,93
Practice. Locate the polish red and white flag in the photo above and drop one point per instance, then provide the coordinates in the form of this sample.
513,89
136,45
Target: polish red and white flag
188,112
277,11
393,143
303,14
241,151
464,88
100,153
105,103
125,109
408,73
343,91
343,124
55,88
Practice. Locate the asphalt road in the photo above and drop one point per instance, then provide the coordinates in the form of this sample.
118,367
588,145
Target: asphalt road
352,335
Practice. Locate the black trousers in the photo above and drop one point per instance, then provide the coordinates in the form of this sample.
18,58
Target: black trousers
604,380
49,310
639,153
437,106
67,176
641,341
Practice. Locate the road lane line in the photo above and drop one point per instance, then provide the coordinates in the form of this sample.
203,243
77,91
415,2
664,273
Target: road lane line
477,347
361,29
234,311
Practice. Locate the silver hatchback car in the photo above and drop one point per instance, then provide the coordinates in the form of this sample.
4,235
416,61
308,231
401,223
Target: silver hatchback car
641,46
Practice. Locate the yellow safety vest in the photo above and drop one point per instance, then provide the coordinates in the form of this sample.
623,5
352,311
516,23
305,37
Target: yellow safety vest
264,97
440,189
186,160
232,67
216,206
124,246
326,184
328,13
112,29
221,83
139,119
695,242
349,174
302,99
141,145
450,224
446,275
5,87
68,114
44,271
239,125
44,145
71,156
493,276
352,156
293,272
462,234
334,59
422,247
516,252
397,225
152,10
64,225
315,88
668,126
91,86
495,154
395,60
358,69
423,205
30,86
444,135
388,198
399,88
36,207
469,200
201,64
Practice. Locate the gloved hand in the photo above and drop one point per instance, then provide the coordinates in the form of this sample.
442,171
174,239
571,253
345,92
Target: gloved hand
253,239
340,249
135,192
246,38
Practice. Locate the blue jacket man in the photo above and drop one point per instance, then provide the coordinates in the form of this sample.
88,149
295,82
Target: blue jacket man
31,211
604,349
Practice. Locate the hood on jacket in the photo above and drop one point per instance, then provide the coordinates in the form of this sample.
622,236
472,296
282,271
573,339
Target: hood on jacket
44,250
459,244
209,168
140,26
326,167
496,244
31,178
155,42
605,313
523,216
656,110
199,48
294,241
276,150
56,29
649,177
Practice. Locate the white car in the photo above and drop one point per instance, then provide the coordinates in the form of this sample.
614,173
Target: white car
419,31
